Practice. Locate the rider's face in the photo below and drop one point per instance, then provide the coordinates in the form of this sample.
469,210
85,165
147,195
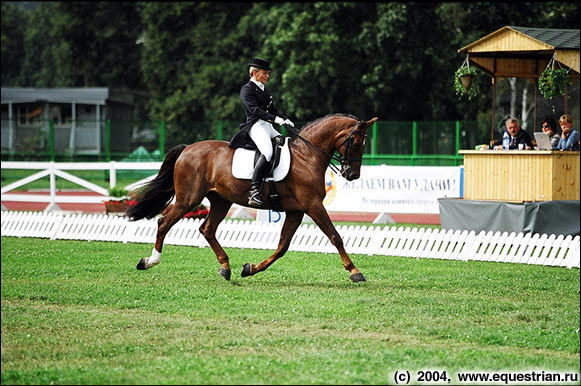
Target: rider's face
262,76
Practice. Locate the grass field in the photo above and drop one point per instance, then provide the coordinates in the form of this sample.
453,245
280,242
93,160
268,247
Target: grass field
80,313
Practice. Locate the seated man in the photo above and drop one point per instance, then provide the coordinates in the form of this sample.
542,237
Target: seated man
515,136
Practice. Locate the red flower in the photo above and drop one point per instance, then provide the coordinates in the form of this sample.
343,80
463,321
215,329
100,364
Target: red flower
198,213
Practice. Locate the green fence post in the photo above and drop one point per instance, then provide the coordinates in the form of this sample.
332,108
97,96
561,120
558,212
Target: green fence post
108,140
161,140
456,158
374,143
219,131
414,140
51,139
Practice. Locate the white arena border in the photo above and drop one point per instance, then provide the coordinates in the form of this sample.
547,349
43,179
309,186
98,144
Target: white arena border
428,243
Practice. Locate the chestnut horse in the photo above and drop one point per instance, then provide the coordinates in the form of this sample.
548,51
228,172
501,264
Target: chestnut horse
204,169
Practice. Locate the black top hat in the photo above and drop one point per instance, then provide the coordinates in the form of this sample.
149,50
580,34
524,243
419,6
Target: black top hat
260,63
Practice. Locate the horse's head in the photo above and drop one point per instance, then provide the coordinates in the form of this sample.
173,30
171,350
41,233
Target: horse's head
350,145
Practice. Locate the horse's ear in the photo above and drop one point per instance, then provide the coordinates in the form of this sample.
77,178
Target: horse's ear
362,125
371,121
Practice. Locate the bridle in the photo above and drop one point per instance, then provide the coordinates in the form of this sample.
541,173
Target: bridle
346,160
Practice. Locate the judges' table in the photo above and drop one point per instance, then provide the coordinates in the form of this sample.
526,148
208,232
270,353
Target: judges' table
521,175
516,191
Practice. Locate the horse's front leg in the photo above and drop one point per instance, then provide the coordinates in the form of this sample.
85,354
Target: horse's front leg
291,223
321,218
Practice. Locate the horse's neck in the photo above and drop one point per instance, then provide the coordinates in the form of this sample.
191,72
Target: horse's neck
321,143
323,135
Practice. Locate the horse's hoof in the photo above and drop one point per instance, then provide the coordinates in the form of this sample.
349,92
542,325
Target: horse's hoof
357,277
246,270
225,273
141,264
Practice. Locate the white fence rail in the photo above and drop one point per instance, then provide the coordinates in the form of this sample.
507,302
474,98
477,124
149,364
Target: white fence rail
562,251
57,169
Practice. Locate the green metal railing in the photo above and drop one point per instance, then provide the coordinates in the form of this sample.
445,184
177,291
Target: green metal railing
393,143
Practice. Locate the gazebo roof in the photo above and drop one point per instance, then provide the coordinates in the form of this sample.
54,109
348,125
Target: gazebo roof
558,38
81,95
524,52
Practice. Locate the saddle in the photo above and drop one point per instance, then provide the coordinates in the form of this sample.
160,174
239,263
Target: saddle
245,158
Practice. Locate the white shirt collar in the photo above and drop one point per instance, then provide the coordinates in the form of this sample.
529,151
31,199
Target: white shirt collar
257,83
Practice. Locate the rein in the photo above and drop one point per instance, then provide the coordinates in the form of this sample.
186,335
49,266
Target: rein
343,160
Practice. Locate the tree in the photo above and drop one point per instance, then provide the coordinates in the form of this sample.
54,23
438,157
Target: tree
14,22
404,49
395,60
193,64
45,61
100,43
79,44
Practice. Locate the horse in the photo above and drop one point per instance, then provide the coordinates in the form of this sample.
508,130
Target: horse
203,169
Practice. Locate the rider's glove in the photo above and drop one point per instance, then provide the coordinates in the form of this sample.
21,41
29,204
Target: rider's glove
279,121
288,122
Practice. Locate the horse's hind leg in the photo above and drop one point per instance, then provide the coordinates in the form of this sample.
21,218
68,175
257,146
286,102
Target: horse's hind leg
218,209
164,224
291,223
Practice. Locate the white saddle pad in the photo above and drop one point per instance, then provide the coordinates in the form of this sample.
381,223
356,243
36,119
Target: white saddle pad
243,163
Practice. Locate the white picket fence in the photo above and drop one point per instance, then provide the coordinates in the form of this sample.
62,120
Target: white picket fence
373,240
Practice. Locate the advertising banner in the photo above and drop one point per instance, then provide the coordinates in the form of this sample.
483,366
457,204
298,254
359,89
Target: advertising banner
393,189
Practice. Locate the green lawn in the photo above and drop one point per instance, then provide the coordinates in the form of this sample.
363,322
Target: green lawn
78,312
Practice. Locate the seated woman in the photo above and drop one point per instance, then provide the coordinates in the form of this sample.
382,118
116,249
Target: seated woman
549,127
569,136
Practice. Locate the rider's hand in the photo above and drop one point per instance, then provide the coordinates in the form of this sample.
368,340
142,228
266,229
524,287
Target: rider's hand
288,122
279,121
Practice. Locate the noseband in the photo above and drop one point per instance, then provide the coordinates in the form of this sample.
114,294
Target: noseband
346,160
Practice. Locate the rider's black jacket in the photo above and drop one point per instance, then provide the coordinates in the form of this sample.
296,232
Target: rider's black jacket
257,105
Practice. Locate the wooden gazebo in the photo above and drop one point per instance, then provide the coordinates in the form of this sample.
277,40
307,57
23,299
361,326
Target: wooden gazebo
524,52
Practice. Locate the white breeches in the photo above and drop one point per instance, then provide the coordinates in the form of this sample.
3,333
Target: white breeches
261,133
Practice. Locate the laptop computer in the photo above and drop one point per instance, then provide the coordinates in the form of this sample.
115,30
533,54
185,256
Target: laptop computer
543,141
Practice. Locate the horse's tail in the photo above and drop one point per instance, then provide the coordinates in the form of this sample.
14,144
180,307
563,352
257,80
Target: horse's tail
156,195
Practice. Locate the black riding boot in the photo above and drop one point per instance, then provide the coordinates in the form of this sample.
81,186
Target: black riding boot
260,170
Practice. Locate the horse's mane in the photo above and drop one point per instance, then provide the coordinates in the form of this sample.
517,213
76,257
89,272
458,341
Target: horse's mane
328,116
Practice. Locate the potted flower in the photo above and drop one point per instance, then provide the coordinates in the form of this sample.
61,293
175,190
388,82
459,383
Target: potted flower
552,82
466,82
120,204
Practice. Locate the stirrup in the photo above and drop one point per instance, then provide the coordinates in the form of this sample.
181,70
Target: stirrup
255,199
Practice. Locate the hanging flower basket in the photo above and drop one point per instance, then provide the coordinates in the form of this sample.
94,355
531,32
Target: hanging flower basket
553,81
466,81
